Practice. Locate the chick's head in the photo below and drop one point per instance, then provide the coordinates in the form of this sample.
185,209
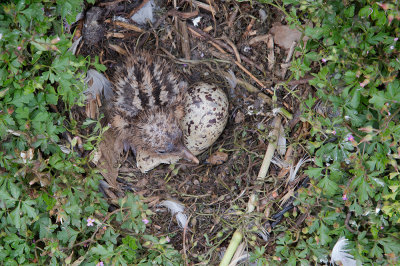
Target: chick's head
157,135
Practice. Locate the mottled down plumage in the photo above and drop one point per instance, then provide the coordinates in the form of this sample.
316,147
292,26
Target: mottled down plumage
147,107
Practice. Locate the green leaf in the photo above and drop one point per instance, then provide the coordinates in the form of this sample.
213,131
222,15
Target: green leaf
102,251
328,186
15,217
314,33
355,100
349,12
365,11
14,190
28,209
40,117
314,172
378,100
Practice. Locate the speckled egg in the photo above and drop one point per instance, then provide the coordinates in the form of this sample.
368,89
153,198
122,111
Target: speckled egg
206,108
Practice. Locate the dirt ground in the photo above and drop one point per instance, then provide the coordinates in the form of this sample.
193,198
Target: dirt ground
230,36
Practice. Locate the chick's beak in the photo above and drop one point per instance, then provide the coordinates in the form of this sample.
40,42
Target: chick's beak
186,154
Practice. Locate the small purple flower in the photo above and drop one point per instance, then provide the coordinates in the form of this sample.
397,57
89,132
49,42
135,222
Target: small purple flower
323,60
382,227
391,47
19,48
362,84
145,221
344,197
350,138
167,239
100,263
90,221
389,113
396,39
104,227
334,132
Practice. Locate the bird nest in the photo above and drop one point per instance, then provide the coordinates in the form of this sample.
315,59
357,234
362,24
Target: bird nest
241,48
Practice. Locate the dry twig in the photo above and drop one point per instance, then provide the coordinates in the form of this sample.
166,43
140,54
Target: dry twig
184,39
126,25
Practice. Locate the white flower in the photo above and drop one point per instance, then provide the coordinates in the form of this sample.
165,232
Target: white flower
1,36
339,254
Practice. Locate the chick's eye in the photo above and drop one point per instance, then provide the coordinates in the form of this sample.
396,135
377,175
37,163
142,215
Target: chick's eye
161,151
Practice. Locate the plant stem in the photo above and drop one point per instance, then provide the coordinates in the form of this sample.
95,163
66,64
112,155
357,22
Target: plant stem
271,149
235,241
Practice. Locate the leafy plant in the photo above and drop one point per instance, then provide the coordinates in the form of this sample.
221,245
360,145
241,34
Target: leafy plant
51,210
354,47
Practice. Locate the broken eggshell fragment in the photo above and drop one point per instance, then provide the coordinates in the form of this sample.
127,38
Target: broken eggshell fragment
206,114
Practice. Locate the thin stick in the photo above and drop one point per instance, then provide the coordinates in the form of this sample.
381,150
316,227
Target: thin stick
202,6
271,53
184,39
235,50
251,75
271,149
127,26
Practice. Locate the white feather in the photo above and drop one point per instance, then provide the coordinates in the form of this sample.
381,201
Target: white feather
196,21
279,162
294,170
97,84
74,45
119,18
340,254
145,13
232,80
176,208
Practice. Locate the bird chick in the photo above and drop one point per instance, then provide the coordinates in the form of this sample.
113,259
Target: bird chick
147,107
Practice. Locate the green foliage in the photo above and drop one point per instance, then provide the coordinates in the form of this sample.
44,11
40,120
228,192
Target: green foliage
51,211
354,191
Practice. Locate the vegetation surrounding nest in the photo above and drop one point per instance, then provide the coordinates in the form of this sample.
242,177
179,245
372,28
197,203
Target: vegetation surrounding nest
329,193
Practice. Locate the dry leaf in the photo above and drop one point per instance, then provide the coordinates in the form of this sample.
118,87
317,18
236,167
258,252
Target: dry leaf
239,117
285,36
217,158
110,148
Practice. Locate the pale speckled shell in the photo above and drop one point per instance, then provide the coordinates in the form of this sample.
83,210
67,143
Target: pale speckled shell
206,108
